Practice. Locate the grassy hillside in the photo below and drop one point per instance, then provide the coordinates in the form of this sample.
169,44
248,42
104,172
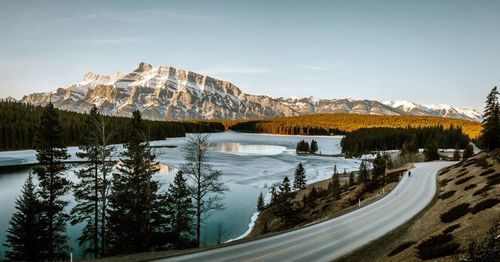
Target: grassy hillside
466,210
328,124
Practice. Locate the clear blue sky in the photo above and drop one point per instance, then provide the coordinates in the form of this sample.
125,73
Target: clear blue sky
424,51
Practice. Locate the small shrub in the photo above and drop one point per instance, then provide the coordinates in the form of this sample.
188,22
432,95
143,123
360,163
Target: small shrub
482,162
493,179
444,182
462,174
437,246
402,247
487,172
487,249
467,187
485,204
450,229
455,213
446,195
482,190
463,180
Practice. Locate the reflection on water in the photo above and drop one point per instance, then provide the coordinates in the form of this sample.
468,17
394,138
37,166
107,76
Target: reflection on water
237,148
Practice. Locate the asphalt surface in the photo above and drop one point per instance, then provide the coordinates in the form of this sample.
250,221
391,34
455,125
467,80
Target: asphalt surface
337,237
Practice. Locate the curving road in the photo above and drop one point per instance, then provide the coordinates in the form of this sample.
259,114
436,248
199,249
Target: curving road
334,238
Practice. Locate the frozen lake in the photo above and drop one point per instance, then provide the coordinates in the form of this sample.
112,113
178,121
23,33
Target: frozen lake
250,164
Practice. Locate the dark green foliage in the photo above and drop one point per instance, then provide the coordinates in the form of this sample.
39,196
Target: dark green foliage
363,173
299,181
24,235
402,247
53,184
283,202
491,121
92,190
463,180
136,211
437,246
408,139
485,204
314,147
335,186
431,150
486,250
487,172
18,123
451,228
378,172
455,213
351,179
302,147
456,154
471,186
447,195
260,202
468,152
179,212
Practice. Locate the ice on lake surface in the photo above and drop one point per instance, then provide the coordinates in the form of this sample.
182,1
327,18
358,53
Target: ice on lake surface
250,164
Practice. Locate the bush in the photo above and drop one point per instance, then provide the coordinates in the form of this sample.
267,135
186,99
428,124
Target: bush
447,195
487,172
482,190
455,213
444,182
463,180
462,174
488,249
437,246
482,162
467,187
493,180
402,247
450,229
485,204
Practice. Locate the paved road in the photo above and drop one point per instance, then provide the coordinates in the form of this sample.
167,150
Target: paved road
336,237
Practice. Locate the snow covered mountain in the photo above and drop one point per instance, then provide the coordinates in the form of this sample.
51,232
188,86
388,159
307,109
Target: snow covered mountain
168,93
435,110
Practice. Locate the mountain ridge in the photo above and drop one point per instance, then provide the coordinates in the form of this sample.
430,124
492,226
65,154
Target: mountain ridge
169,93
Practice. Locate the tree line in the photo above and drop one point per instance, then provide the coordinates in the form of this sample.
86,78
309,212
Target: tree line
19,121
120,204
410,139
340,124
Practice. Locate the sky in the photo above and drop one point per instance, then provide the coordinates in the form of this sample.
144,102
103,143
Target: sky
426,51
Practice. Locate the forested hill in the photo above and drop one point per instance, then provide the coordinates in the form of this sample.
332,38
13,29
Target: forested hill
18,122
336,124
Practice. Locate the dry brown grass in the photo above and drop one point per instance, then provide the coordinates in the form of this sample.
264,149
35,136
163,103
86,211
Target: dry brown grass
472,225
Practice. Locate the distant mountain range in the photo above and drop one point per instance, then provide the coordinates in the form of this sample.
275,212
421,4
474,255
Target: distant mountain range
168,93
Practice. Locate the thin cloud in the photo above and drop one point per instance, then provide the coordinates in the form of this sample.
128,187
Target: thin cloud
141,15
112,41
322,67
235,70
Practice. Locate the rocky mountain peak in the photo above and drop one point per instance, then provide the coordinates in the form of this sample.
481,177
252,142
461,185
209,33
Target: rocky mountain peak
143,67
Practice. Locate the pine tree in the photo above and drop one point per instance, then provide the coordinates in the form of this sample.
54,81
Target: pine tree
335,186
24,235
314,147
206,186
363,173
135,214
491,121
53,185
180,212
378,172
351,179
260,202
91,192
299,181
456,154
468,152
431,151
284,207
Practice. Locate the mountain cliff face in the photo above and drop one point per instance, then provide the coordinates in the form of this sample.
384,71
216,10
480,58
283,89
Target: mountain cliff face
168,93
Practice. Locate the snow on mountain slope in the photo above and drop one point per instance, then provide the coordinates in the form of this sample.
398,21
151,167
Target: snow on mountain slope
168,93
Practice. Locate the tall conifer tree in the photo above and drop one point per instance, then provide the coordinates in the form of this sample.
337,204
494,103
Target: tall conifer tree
53,184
